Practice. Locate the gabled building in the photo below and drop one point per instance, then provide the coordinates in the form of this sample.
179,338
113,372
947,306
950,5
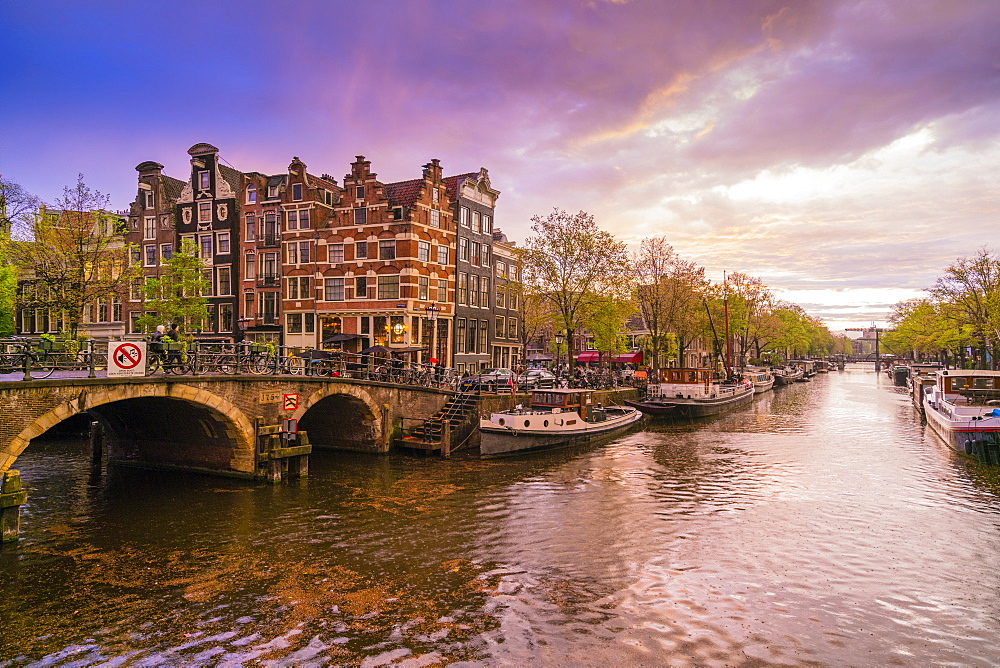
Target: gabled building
473,204
386,258
507,352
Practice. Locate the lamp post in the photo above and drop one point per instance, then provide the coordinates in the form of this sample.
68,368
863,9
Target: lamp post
432,316
559,337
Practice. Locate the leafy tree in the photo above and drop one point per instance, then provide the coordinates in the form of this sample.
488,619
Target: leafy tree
607,322
17,209
570,263
72,256
177,295
972,287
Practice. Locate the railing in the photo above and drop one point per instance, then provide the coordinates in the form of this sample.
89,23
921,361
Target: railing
268,280
268,241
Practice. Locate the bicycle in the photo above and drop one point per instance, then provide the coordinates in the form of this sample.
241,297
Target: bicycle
167,361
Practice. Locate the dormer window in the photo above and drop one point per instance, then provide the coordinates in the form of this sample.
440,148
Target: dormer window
203,180
272,192
297,192
359,192
252,195
149,198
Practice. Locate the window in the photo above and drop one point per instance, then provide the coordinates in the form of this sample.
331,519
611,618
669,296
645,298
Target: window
251,265
297,287
149,228
460,334
487,224
486,255
298,252
270,229
297,192
359,192
388,287
512,328
166,251
149,198
269,307
463,249
225,317
310,323
473,290
500,297
149,256
475,251
209,282
361,287
335,253
293,323
252,195
397,213
434,195
272,192
424,251
333,290
248,304
470,338
222,242
204,181
251,227
387,249
361,250
205,245
269,264
463,288
224,277
499,333
442,290
477,221
423,287
204,212
463,216
501,268
135,253
442,255
361,216
135,292
484,292
298,220
435,216
483,329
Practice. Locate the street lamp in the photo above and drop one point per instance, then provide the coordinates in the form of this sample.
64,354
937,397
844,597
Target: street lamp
432,316
559,340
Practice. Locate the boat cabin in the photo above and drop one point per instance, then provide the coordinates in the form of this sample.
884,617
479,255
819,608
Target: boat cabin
683,382
969,386
557,400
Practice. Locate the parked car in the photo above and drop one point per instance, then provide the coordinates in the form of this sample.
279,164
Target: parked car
489,380
536,379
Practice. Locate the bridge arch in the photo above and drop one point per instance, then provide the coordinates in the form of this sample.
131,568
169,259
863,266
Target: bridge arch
143,417
345,417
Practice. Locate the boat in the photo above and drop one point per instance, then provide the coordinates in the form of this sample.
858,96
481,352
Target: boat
900,375
787,375
963,407
554,418
921,377
762,380
685,392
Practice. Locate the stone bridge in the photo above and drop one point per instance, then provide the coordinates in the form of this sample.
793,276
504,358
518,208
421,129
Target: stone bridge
209,423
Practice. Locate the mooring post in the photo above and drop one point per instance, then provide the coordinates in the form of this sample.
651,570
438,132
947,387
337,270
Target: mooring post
96,437
12,497
446,438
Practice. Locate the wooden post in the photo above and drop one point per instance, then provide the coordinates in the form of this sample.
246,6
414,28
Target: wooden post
96,438
446,438
12,497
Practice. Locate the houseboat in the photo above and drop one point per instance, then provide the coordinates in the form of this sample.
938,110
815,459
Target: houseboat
922,375
693,393
762,380
963,407
554,418
787,375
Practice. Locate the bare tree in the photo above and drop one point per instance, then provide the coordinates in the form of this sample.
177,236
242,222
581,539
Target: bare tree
73,255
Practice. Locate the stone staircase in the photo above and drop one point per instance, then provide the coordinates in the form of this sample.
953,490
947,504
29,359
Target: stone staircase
450,425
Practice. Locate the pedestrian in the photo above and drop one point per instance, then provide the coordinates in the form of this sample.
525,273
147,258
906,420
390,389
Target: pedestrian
158,335
174,333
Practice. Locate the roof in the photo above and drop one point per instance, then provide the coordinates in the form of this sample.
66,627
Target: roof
452,183
233,177
403,193
173,187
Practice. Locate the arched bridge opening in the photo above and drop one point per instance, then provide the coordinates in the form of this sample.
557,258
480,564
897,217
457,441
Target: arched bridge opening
343,422
165,431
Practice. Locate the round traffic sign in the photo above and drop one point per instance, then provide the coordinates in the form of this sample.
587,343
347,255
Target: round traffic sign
127,355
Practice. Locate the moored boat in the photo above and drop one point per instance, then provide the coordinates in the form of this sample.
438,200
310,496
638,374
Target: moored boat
687,392
963,407
921,377
554,418
787,375
762,380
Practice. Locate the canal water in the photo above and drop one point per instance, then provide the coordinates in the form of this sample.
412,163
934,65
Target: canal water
825,525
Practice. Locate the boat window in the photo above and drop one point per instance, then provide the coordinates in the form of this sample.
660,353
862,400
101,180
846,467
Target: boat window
984,383
692,376
501,422
527,423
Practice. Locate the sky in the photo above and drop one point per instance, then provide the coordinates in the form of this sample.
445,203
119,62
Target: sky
845,152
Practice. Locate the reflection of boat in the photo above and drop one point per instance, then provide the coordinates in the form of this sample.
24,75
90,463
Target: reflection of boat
554,418
963,407
692,393
762,380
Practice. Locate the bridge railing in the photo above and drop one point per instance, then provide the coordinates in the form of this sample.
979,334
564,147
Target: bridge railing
34,359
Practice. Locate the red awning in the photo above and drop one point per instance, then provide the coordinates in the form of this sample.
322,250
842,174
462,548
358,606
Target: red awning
589,356
629,358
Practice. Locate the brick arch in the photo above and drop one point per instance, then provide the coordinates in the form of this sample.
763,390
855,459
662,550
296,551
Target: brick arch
235,423
358,392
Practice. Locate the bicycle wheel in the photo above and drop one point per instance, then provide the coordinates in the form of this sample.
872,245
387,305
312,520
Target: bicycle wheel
228,364
295,365
42,366
260,364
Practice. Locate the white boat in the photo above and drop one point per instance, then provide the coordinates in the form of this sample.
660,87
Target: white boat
762,380
555,417
963,407
922,376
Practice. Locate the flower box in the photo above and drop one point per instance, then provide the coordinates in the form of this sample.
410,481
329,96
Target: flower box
52,346
173,347
258,348
156,347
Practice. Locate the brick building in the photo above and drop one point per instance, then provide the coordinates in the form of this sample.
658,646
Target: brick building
507,352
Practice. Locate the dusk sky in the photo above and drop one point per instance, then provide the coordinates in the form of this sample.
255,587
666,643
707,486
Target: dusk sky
845,152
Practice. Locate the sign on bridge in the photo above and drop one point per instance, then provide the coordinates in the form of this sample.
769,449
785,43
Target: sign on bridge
126,358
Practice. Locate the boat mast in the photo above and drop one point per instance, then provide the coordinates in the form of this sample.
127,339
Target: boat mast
725,311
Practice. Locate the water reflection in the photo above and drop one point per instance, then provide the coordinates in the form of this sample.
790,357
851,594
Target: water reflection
823,526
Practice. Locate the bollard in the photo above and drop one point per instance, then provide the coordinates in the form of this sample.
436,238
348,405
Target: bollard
92,372
12,497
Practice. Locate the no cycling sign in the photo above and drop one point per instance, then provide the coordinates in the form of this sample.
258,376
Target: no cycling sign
127,358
